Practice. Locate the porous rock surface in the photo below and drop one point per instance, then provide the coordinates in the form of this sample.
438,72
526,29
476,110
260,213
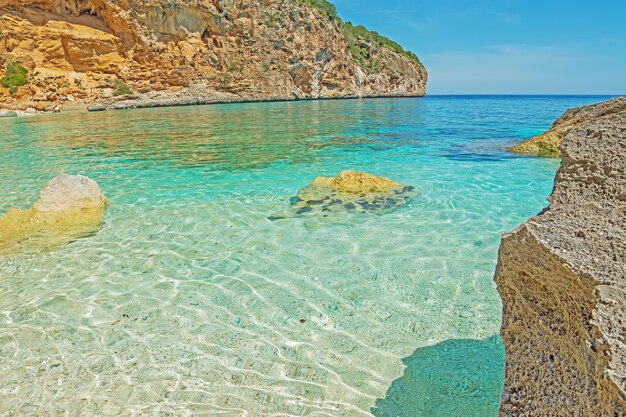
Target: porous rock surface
69,206
562,278
349,191
77,51
548,143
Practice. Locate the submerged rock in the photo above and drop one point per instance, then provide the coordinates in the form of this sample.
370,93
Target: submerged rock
562,278
69,207
349,191
547,144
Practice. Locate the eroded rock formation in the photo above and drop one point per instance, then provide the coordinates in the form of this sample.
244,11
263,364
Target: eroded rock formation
349,191
77,51
548,143
562,278
69,207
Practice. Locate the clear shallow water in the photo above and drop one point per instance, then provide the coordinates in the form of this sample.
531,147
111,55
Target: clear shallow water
190,301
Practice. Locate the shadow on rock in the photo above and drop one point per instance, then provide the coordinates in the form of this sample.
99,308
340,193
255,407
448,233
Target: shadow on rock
453,378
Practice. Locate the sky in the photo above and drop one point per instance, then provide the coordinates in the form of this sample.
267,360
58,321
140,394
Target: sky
506,46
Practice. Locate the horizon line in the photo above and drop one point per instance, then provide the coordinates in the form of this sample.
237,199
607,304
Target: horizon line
529,94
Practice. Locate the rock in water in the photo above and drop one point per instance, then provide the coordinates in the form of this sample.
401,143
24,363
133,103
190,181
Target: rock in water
96,107
547,144
69,207
8,113
351,191
562,278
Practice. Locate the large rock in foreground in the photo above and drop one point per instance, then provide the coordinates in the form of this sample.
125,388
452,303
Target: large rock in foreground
562,278
349,191
547,144
69,207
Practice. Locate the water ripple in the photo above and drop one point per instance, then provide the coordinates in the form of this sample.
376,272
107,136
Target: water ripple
189,301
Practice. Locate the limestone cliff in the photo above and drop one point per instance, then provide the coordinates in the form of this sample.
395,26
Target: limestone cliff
547,144
83,50
562,278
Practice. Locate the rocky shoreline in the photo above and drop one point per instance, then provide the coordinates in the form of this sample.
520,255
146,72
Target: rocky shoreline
562,279
19,113
180,53
185,98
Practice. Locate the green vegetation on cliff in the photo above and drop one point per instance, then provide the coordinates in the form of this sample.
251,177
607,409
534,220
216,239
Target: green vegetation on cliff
326,8
15,76
375,39
121,89
362,42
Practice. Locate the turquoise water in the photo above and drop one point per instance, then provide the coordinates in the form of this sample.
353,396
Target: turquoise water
190,301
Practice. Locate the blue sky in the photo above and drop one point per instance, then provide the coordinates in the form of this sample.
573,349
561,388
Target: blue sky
506,46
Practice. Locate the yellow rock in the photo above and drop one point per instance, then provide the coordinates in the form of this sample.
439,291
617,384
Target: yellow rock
62,47
69,207
356,182
351,191
548,143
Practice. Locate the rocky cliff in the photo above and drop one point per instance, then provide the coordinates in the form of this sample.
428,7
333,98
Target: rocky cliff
85,51
562,278
548,143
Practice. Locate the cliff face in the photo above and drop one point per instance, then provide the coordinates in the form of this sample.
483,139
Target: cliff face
562,278
79,50
548,143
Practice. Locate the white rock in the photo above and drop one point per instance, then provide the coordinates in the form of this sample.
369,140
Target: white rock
70,192
8,113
